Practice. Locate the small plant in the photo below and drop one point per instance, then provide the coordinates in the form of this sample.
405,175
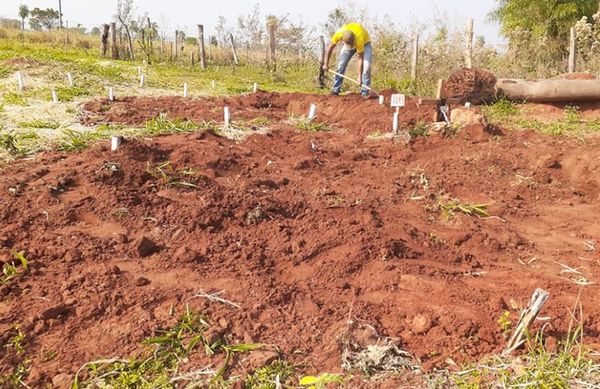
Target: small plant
304,124
321,381
75,140
161,125
42,124
501,109
18,144
13,98
17,267
452,206
419,131
166,173
268,377
69,93
505,323
20,368
572,114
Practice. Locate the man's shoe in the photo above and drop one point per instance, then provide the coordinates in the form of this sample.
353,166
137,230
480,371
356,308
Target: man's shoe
333,93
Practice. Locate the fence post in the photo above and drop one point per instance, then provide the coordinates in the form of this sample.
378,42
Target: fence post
235,57
415,58
176,44
114,48
271,29
202,51
469,46
104,39
572,51
321,62
150,39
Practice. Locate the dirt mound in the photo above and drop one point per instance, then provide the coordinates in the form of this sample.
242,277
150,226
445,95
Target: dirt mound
348,112
576,76
470,85
303,231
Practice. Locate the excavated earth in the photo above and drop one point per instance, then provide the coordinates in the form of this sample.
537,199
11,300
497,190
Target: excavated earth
310,233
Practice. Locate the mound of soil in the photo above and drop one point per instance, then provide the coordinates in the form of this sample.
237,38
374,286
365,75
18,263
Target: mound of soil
475,86
348,112
303,231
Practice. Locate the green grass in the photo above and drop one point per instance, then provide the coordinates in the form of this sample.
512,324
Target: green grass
449,207
266,377
15,351
501,110
304,124
161,125
6,71
13,98
165,355
19,144
17,267
41,124
69,93
75,140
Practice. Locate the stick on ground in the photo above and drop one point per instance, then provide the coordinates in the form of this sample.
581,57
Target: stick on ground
528,316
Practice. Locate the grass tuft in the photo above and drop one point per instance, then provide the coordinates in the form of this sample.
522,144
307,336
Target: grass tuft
161,125
12,98
41,124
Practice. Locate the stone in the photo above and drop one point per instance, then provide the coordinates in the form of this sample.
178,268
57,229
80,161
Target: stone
145,246
185,254
142,281
54,312
421,324
462,117
260,358
62,381
73,256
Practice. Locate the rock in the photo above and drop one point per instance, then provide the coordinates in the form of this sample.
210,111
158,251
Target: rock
421,324
185,254
462,117
142,281
555,165
54,312
39,327
62,381
71,302
260,358
145,246
437,127
73,256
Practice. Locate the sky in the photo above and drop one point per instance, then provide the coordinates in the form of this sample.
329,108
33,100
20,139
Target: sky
186,14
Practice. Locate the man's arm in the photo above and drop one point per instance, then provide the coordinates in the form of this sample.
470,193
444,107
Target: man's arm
361,66
328,55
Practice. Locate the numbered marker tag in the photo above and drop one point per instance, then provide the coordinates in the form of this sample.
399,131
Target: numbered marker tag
398,100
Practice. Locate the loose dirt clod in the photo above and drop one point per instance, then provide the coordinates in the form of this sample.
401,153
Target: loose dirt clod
474,86
145,246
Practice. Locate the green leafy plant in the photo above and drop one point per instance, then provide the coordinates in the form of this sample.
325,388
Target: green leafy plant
37,123
267,377
75,140
16,267
161,125
168,175
13,98
452,206
18,144
505,323
321,381
420,130
70,93
15,347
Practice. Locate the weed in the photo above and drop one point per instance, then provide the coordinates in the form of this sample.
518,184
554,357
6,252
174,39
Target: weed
166,173
5,71
419,131
501,109
304,124
161,125
20,368
69,93
505,323
42,124
451,206
75,140
13,98
18,144
17,267
321,381
572,114
271,376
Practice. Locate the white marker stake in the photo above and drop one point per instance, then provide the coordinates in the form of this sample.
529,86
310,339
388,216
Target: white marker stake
312,112
226,116
214,84
70,79
115,142
381,100
20,81
139,70
185,90
142,80
395,123
255,88
468,105
54,97
111,94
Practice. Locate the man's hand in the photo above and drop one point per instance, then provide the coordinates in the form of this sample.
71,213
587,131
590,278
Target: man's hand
360,81
325,68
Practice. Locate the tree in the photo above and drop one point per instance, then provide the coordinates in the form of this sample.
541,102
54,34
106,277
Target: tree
251,28
550,19
23,14
35,24
95,31
44,17
222,30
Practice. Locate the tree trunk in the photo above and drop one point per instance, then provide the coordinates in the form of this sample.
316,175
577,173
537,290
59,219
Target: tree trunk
104,39
202,51
114,49
549,91
130,42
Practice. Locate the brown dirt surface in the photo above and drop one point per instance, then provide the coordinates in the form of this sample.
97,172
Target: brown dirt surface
576,76
475,86
349,112
304,231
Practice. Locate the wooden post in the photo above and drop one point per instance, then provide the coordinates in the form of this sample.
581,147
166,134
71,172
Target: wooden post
162,48
114,48
192,59
67,36
272,44
528,316
150,39
171,55
202,51
440,86
469,45
235,57
572,51
210,56
322,62
104,40
176,44
415,58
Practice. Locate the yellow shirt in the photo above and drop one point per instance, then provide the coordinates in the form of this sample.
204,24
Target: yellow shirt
361,36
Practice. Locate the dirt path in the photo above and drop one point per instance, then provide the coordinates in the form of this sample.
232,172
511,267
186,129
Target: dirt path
303,231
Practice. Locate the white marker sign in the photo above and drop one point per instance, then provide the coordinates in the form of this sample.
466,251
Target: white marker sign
111,94
312,112
381,100
226,116
185,90
20,81
54,97
142,80
398,100
255,87
70,79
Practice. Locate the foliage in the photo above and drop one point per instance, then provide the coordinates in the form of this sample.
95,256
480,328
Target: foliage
451,206
17,267
38,123
169,176
45,17
18,144
14,98
78,140
267,377
161,125
15,349
23,14
321,381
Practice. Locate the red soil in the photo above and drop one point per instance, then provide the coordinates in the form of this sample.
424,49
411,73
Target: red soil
304,230
470,85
